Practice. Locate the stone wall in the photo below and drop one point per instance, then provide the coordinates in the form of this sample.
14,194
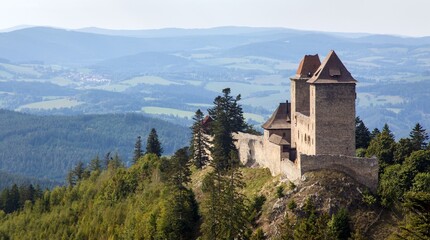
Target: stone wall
304,134
258,151
333,112
299,102
363,170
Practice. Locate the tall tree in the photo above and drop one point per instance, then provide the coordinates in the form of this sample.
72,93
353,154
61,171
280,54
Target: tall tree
404,148
138,152
199,141
382,146
362,134
95,164
374,133
419,137
153,145
224,209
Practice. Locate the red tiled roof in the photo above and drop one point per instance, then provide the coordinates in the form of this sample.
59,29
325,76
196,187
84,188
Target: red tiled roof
308,65
332,70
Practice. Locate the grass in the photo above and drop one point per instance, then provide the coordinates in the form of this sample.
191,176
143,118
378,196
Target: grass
257,181
20,69
168,111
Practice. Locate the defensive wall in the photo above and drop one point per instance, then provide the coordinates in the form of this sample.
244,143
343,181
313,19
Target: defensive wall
254,151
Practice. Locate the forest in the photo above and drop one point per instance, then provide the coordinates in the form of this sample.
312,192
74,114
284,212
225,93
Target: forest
47,147
191,196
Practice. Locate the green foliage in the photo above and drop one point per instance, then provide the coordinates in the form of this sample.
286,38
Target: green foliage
362,134
382,146
199,141
404,148
369,199
153,145
280,191
225,213
292,205
256,207
56,143
417,221
419,137
339,225
360,152
258,235
421,182
138,152
117,203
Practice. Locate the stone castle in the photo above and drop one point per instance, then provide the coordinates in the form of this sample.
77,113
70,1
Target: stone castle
316,130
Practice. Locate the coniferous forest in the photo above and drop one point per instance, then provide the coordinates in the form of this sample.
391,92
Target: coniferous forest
191,196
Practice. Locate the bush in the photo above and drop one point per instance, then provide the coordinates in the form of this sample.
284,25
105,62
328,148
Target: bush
292,205
280,191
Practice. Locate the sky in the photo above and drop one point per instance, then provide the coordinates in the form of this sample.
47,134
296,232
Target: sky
399,17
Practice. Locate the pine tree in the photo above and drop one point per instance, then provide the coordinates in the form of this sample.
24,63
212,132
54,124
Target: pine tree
153,145
419,137
362,134
138,152
382,146
95,164
199,141
224,209
374,133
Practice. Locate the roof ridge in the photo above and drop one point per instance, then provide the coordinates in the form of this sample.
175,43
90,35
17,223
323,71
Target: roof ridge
332,70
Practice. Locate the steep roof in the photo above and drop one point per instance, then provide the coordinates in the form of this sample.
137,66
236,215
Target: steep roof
308,66
277,139
332,70
280,118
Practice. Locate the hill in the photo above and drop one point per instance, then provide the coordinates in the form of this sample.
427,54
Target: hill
49,146
171,72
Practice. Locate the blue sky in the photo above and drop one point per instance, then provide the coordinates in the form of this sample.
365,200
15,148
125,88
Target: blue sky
372,16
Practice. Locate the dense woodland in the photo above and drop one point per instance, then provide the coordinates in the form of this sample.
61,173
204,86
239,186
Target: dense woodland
47,147
188,196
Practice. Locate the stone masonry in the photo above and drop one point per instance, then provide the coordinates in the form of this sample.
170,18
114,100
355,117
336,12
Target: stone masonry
316,130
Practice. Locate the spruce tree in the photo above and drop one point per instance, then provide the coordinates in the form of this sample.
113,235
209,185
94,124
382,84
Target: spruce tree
199,141
419,137
382,146
138,152
362,134
224,209
153,145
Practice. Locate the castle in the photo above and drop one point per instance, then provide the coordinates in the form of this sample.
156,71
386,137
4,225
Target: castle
316,130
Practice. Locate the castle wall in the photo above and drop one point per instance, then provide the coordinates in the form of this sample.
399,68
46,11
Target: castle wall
299,102
332,110
257,150
363,170
304,134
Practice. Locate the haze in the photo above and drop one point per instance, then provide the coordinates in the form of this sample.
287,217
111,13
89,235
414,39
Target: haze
408,18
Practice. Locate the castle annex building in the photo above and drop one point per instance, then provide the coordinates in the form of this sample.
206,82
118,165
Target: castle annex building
316,130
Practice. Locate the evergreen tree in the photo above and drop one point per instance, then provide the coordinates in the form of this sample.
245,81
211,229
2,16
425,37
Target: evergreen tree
382,146
224,209
404,148
417,220
339,225
419,137
199,141
138,152
153,145
374,133
362,134
95,164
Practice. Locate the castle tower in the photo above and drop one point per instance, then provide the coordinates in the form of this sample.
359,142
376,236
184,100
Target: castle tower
332,108
300,91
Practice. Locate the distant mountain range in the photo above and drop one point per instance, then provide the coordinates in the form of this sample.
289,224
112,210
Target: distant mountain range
172,72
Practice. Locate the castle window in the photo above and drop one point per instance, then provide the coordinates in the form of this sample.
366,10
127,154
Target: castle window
285,148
